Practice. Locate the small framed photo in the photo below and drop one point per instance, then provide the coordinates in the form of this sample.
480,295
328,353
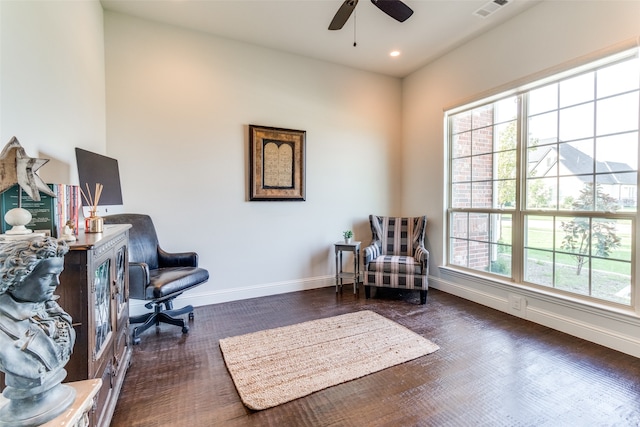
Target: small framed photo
276,163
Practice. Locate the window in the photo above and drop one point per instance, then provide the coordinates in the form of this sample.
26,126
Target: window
543,182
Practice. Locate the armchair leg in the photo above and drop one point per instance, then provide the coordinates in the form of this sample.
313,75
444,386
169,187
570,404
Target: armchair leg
423,297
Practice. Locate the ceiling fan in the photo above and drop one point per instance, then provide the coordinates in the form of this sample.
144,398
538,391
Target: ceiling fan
394,8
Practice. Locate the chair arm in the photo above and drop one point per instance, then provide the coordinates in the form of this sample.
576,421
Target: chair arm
422,255
138,280
177,259
372,252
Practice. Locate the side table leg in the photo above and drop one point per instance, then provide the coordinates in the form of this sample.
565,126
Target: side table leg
355,271
341,280
337,272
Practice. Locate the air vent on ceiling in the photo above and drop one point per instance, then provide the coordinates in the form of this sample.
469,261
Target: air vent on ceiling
490,8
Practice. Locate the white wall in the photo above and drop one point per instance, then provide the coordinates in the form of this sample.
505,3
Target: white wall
543,37
52,95
178,107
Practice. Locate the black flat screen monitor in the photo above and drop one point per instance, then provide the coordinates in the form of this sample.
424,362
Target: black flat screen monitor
95,168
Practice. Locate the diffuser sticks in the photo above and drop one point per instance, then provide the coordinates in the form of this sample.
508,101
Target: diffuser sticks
92,201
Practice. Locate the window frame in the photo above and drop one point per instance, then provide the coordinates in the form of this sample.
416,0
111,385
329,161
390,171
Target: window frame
520,212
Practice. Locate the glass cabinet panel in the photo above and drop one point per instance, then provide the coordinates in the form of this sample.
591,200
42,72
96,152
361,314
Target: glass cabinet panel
120,296
102,305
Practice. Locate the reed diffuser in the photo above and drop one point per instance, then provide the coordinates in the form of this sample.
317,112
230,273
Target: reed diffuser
93,223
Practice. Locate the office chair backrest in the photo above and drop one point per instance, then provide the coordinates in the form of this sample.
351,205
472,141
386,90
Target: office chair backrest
143,240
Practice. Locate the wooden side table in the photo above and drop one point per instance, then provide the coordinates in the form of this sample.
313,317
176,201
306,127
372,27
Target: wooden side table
340,274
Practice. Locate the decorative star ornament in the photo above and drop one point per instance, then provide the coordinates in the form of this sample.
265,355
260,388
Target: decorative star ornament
18,168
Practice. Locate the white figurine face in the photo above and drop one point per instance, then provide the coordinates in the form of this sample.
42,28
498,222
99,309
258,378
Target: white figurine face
42,282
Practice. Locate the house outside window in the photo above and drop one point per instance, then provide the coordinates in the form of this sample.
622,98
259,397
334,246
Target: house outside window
543,183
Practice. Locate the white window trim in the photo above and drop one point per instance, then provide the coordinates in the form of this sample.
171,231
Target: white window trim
628,49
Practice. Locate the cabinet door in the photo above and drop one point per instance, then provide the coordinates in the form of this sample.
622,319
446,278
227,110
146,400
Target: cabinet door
121,299
101,342
121,307
102,320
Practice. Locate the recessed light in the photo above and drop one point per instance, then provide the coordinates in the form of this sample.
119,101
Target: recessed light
394,53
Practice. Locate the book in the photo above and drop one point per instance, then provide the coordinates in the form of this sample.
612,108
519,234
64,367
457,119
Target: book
68,198
50,214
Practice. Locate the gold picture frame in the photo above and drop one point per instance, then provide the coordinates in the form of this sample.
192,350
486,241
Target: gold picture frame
276,163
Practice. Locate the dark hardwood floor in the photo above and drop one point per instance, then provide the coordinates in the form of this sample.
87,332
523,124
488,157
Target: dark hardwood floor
492,369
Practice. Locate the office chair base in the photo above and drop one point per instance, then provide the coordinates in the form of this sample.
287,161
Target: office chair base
160,316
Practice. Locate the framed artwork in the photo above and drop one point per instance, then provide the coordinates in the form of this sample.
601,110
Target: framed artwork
276,163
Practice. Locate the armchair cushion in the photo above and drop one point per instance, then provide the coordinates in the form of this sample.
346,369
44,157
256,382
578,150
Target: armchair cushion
396,264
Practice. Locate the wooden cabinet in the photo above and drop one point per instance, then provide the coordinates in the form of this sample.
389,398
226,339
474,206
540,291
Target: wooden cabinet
94,290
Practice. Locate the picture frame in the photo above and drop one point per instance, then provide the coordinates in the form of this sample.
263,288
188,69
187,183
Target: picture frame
276,164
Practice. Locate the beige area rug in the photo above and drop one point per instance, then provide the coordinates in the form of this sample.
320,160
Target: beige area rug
278,365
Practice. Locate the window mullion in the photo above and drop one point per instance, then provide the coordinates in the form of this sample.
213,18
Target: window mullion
521,173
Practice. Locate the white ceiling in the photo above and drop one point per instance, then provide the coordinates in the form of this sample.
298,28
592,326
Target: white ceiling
300,27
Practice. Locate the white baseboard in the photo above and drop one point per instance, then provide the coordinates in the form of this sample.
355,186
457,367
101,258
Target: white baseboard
197,299
475,295
610,330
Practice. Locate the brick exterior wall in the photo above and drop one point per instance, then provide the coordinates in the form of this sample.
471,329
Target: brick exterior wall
472,177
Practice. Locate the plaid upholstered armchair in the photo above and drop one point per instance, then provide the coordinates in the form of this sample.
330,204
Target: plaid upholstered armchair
396,257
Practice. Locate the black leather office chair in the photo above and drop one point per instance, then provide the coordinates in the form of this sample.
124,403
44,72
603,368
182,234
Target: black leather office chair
157,276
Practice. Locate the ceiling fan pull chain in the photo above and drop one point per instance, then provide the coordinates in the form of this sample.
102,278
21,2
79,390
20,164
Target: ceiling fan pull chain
355,20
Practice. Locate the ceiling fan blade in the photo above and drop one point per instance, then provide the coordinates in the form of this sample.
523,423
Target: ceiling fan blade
343,14
394,8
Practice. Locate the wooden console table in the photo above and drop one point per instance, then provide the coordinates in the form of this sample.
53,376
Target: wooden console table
94,290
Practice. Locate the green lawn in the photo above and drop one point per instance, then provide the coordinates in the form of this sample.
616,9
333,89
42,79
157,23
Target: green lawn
541,236
610,277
